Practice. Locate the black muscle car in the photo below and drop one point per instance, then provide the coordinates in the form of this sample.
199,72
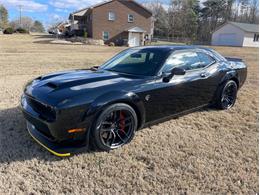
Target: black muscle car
104,106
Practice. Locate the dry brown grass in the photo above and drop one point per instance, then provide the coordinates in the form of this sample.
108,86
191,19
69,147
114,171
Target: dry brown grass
211,152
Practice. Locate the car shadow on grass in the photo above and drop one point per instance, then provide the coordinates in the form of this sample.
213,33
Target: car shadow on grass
17,145
15,141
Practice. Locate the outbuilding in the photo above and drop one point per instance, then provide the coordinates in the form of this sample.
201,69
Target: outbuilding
236,34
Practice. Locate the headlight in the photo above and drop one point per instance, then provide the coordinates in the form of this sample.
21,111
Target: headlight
23,100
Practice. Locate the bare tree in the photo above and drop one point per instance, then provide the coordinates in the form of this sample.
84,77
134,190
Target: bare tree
161,18
175,20
254,12
26,23
188,19
183,18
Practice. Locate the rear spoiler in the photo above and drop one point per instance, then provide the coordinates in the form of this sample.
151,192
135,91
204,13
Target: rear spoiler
236,62
234,59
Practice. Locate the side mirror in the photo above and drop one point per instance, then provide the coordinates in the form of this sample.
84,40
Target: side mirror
94,68
174,71
178,71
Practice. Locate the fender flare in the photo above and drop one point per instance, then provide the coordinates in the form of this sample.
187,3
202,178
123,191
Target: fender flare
114,97
232,74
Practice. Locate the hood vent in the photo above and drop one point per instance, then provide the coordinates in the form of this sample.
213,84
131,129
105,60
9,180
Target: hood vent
52,85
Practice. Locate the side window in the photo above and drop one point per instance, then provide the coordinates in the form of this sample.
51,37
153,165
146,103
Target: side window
186,60
205,59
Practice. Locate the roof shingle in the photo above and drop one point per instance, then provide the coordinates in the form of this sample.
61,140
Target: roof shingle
246,27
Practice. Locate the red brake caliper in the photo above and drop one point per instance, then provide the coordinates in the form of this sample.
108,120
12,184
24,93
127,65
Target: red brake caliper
122,122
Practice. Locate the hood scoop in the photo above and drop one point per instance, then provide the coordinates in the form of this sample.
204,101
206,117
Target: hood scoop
72,82
52,85
70,79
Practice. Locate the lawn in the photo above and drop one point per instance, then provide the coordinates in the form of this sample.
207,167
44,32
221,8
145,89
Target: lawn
209,151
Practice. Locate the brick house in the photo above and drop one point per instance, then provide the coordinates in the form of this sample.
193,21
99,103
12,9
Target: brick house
124,22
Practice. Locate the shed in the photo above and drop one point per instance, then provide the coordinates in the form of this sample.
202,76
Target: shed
236,34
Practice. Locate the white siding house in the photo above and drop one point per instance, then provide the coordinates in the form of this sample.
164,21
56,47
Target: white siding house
236,34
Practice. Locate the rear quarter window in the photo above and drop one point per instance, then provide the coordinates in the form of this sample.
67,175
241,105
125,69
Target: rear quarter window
205,59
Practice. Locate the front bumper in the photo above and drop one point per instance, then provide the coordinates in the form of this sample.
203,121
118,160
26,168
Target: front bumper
58,149
53,135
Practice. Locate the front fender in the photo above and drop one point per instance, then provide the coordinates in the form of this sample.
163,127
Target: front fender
130,98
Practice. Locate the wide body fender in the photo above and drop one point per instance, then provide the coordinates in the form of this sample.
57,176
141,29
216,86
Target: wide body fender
113,97
232,74
238,75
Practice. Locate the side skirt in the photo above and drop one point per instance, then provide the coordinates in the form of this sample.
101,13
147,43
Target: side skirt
174,116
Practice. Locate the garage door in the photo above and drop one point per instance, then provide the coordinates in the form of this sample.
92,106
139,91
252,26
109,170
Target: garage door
228,39
134,39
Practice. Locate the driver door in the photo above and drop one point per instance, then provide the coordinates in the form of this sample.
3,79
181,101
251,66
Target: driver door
183,92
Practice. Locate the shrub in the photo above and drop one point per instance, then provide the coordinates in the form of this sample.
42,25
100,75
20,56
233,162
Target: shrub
9,30
85,34
21,30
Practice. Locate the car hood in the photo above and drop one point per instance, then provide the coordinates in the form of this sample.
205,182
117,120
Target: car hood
53,88
74,78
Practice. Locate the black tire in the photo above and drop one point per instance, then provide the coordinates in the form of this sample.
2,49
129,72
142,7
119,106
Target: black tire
108,133
227,95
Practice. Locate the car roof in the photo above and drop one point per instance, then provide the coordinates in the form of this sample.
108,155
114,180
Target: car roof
173,47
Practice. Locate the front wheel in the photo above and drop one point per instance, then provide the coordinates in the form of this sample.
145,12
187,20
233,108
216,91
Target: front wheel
227,95
114,127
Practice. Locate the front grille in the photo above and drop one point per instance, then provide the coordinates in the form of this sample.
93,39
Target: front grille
40,126
45,111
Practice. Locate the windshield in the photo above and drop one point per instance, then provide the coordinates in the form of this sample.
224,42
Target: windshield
137,61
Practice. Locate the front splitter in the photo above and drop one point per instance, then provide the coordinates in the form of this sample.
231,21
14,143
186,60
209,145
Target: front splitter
54,148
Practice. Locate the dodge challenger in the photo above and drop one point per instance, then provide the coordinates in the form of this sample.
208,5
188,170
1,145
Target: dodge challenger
105,105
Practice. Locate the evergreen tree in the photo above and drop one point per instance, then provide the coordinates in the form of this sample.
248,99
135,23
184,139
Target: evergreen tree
160,18
3,17
212,15
37,27
190,19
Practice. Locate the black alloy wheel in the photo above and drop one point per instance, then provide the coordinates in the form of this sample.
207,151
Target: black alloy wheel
115,127
228,95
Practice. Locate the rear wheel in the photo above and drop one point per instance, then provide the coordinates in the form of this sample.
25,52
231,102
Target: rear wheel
227,95
114,127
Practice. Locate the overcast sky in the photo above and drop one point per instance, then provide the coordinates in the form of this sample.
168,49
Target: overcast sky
50,11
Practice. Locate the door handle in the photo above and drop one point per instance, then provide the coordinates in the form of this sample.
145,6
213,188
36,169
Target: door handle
203,75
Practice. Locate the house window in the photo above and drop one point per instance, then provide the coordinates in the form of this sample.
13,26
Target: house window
105,36
111,16
256,37
130,18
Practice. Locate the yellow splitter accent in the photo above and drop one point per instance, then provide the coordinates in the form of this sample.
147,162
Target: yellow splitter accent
50,150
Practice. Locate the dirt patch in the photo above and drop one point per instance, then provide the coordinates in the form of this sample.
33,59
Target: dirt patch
209,151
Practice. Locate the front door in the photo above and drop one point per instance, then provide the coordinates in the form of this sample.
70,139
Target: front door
184,92
134,39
